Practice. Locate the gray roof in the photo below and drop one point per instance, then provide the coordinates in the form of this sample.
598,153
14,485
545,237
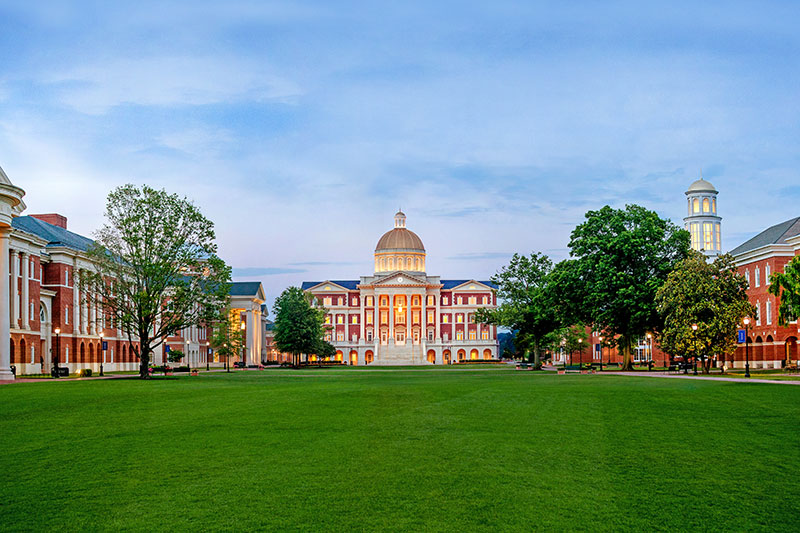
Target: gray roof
54,235
245,288
349,284
776,234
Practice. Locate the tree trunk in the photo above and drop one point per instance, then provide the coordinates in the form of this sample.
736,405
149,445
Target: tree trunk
627,364
537,357
144,363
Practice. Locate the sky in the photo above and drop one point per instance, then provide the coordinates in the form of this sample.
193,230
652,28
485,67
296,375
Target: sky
300,128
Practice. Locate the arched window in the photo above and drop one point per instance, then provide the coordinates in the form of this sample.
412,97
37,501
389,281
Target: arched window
42,317
714,205
418,269
383,263
696,205
767,273
706,205
757,273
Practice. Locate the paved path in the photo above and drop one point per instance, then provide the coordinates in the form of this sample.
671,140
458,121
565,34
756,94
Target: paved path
701,377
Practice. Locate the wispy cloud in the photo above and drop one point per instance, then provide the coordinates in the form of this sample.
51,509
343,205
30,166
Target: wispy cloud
264,271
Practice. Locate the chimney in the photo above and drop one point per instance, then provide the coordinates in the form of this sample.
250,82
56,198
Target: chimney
54,219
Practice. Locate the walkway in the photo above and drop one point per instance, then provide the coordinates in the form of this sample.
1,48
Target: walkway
702,377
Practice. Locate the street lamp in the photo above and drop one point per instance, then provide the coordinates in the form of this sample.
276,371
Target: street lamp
56,354
580,353
244,343
601,353
103,351
650,348
694,329
746,347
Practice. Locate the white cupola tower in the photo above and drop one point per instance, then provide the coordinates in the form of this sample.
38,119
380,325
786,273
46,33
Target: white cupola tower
702,221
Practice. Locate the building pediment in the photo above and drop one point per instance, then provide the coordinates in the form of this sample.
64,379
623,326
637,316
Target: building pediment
472,285
327,286
400,278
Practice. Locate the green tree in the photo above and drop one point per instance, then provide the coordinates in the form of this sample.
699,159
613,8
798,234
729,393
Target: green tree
155,269
298,323
622,257
786,286
702,304
226,337
527,303
175,356
325,350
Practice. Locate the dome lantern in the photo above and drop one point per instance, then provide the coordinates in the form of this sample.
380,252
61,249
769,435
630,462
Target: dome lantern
399,249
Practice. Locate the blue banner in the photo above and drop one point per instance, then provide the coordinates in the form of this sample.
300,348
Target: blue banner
105,345
742,336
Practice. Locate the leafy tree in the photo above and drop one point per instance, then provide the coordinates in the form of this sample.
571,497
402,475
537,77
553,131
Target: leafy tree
175,356
155,269
570,339
710,296
298,324
527,302
622,257
786,286
226,337
325,350
506,345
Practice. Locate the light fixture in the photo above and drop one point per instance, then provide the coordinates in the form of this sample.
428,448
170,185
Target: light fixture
694,327
58,331
746,321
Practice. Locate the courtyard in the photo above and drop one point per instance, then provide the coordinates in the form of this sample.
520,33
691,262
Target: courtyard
433,449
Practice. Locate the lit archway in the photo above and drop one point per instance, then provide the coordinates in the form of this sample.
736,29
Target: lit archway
432,357
487,353
473,355
461,355
446,357
790,350
368,357
339,355
353,357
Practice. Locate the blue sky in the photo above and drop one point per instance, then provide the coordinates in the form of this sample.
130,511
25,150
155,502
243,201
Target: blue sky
301,127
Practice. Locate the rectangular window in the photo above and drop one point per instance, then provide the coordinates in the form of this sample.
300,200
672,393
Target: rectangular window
66,314
340,301
757,273
340,336
444,300
459,318
747,277
384,317
473,300
355,319
430,335
769,312
370,301
708,236
485,300
758,313
430,317
31,313
327,301
445,319
327,319
459,301
719,237
369,317
340,319
430,300
369,336
328,337
459,335
485,335
473,335
415,317
767,272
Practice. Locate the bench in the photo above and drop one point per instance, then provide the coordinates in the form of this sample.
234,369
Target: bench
60,372
239,364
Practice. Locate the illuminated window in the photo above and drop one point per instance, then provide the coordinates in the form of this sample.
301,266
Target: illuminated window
384,300
430,316
327,301
327,319
445,319
719,237
369,317
340,301
714,205
459,318
472,335
696,235
328,337
485,335
708,236
459,301
415,317
369,301
340,319
757,273
383,263
485,300
340,336
430,301
473,300
444,300
696,204
384,317
355,301
459,335
415,301
355,319
706,205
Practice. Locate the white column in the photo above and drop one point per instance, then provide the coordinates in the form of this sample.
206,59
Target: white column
5,311
26,304
14,289
93,323
84,314
437,319
76,303
249,345
362,318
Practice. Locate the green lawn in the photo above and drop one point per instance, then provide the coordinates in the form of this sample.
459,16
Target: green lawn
334,449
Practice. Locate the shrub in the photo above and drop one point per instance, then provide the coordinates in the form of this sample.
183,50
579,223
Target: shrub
85,372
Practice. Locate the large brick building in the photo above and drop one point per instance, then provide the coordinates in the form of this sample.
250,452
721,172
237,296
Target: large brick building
771,345
402,316
44,318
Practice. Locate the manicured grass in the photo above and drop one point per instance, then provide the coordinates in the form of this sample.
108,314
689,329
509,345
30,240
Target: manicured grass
334,449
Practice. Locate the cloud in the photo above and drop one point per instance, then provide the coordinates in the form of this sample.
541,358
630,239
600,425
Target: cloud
264,271
480,255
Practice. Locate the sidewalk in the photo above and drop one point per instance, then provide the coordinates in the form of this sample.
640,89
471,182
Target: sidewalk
702,377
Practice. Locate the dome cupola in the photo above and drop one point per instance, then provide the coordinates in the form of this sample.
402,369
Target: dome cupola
702,220
400,249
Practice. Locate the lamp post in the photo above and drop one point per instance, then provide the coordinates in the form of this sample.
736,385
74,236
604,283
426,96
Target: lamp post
56,354
601,353
244,343
208,367
650,349
580,353
103,352
694,329
746,347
